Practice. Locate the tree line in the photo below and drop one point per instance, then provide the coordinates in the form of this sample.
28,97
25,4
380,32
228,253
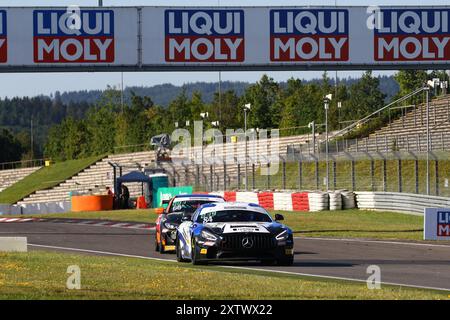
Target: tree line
79,128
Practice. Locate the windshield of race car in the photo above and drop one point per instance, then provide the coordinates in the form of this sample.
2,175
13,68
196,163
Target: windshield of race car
174,218
187,206
233,216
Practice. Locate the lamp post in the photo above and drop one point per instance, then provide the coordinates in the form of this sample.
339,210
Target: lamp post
203,115
246,109
215,124
326,104
312,126
427,95
339,106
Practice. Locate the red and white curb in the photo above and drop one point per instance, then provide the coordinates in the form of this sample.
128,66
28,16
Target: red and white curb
6,220
94,223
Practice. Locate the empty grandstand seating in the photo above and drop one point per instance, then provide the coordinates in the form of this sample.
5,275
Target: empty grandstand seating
408,132
9,177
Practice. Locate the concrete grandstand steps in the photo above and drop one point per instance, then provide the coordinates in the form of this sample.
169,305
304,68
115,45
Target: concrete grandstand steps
10,177
408,131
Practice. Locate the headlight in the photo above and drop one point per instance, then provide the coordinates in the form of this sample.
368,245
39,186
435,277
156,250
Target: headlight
208,236
170,226
282,235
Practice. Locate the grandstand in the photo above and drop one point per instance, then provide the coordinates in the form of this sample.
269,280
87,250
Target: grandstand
408,133
11,176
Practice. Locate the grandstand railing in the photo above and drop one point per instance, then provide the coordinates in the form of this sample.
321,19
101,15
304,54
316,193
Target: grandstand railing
22,164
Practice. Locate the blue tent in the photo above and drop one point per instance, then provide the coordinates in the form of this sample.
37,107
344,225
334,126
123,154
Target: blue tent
134,176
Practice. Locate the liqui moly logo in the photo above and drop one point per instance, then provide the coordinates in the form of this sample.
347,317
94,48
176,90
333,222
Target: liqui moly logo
412,35
204,35
65,36
309,35
443,224
3,37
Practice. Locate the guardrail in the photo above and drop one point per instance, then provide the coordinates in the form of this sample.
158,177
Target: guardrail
401,202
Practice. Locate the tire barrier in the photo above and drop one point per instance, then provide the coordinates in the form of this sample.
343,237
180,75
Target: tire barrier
318,201
348,199
300,201
282,201
266,200
335,200
400,202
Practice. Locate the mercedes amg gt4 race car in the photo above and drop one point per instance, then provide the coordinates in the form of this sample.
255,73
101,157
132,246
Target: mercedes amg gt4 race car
168,222
233,232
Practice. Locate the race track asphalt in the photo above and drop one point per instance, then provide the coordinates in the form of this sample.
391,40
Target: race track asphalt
411,264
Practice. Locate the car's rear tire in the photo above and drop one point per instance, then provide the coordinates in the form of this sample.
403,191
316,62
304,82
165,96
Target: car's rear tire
156,244
195,255
178,251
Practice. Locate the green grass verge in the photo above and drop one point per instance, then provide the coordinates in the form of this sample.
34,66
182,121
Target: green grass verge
42,275
346,223
44,178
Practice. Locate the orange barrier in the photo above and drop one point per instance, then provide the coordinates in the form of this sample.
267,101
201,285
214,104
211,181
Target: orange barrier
92,203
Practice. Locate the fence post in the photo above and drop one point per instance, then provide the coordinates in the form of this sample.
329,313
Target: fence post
300,174
334,175
197,175
316,174
211,178
253,176
436,174
399,166
372,174
268,176
384,175
353,176
224,175
284,175
239,176
416,174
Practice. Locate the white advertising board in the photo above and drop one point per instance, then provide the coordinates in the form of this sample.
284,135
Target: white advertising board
437,224
228,38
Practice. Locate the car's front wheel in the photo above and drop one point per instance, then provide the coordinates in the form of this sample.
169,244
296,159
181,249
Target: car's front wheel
178,251
195,254
288,261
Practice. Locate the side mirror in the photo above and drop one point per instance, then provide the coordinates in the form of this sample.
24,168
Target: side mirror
278,217
159,210
165,202
186,217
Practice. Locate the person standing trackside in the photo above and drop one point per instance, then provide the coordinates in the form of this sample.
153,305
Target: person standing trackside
125,196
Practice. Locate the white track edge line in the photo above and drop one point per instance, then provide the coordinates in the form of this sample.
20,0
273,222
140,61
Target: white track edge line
241,268
376,241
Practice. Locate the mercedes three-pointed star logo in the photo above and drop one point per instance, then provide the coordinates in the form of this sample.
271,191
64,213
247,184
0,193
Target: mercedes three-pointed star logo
247,242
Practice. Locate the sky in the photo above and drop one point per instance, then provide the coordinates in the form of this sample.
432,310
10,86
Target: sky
31,84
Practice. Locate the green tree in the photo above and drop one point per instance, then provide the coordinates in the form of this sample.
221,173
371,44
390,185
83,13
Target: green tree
11,147
364,97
